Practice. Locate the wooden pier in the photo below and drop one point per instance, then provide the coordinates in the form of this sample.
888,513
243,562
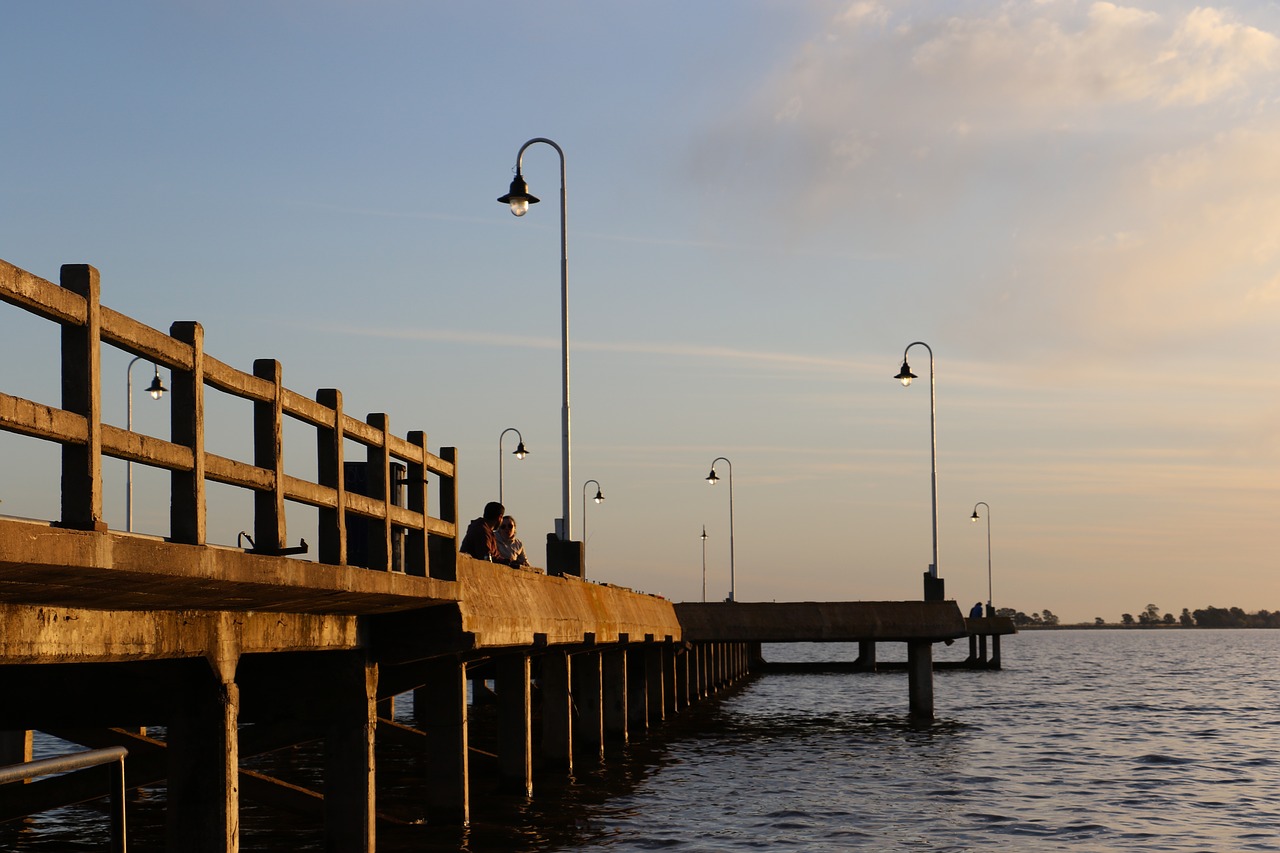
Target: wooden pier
237,652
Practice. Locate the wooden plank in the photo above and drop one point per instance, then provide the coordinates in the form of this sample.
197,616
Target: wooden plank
40,297
40,421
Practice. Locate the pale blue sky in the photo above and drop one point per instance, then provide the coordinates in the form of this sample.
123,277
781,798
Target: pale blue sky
1075,204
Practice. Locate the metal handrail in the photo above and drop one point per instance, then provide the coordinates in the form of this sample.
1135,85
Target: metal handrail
81,761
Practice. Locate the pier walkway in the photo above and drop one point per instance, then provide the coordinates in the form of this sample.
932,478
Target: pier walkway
237,652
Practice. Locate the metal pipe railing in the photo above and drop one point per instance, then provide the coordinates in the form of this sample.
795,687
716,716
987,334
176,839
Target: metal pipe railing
81,761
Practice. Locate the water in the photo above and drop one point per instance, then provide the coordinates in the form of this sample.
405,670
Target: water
1093,740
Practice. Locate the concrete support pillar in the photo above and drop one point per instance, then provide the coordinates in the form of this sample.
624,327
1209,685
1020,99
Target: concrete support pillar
867,653
973,648
203,814
441,709
982,649
995,651
920,680
588,700
614,688
557,711
515,733
349,773
654,681
637,691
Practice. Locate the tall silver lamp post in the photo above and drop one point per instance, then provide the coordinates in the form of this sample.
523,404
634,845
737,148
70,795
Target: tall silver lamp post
599,498
520,452
975,517
704,564
156,389
713,479
932,585
519,199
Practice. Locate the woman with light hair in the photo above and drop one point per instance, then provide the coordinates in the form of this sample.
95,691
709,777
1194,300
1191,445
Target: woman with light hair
510,548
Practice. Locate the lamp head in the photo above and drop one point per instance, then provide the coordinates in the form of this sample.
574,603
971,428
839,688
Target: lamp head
156,389
520,451
704,533
518,197
599,498
905,374
975,515
712,478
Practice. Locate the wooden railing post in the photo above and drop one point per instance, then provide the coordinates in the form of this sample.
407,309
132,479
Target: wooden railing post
268,453
330,472
443,551
186,426
415,558
82,394
378,486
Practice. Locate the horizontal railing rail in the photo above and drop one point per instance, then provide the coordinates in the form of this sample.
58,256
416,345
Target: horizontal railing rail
428,543
75,762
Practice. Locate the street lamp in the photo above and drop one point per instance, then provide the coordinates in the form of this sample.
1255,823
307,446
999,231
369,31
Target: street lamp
156,389
704,564
599,498
519,199
713,479
518,453
932,592
975,517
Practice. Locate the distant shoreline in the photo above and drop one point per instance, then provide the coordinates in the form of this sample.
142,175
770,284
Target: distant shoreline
1084,626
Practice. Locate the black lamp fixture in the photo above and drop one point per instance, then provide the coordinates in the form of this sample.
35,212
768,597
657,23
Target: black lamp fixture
519,197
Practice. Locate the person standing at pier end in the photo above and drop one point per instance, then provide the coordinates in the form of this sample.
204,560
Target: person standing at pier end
511,549
480,540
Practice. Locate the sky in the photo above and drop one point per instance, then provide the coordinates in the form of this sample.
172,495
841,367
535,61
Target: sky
1074,205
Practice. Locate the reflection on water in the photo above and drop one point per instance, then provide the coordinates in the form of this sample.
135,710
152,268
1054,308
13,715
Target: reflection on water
1086,741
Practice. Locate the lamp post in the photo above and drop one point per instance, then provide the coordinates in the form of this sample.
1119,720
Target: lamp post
518,453
156,389
704,564
932,585
599,498
713,479
975,517
519,199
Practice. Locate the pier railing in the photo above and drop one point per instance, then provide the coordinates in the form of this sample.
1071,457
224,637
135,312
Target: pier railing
428,543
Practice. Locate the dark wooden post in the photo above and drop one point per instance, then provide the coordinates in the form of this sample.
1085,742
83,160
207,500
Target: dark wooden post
416,558
268,453
187,516
203,813
331,472
443,552
378,487
441,708
588,729
637,690
681,688
655,678
614,675
82,394
668,678
557,711
515,733
349,758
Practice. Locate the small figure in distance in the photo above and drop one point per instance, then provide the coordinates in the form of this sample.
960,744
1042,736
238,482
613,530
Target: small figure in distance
480,541
511,549
975,612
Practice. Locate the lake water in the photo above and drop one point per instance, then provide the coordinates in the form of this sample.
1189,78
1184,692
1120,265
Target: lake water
1093,740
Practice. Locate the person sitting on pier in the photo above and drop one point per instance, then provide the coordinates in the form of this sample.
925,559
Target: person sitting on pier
510,548
975,612
479,540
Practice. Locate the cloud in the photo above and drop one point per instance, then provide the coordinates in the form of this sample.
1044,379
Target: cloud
1109,166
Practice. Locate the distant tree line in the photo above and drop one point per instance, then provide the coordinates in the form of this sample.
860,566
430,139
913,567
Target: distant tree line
1209,617
1022,620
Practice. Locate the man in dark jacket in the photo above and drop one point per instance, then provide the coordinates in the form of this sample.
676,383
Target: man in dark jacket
480,540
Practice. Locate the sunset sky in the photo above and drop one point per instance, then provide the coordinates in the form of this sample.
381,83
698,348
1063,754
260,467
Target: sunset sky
1076,205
